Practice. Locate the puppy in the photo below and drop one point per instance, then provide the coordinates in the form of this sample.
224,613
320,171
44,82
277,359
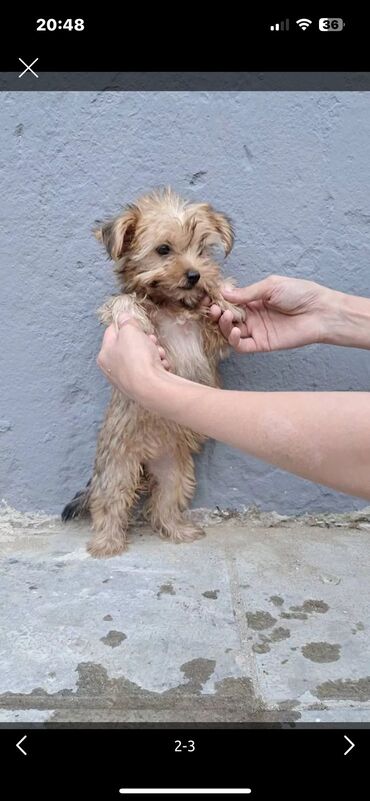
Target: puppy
162,247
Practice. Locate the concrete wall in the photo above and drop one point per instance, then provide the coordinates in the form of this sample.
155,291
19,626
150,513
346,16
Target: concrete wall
292,169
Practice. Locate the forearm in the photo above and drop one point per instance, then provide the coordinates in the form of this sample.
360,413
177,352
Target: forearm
324,437
347,320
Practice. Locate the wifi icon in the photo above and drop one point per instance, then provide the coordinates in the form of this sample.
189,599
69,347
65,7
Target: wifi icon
304,23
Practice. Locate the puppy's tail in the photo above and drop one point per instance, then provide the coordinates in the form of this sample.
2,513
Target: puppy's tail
78,506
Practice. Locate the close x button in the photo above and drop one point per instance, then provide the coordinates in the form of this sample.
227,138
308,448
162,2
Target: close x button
28,68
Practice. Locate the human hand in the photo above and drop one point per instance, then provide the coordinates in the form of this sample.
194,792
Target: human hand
129,358
280,313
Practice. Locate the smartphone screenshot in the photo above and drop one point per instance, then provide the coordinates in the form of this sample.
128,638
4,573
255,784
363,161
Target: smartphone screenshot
184,403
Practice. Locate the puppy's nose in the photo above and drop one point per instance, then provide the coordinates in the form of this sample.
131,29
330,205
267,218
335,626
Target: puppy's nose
193,277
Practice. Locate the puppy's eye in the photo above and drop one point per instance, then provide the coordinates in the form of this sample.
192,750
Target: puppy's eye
163,250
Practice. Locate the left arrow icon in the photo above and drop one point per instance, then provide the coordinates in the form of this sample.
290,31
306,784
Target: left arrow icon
19,745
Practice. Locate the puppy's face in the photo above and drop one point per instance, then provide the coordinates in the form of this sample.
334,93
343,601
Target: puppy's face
162,247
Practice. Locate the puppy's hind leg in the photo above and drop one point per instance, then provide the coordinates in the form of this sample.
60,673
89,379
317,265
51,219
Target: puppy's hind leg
113,492
172,485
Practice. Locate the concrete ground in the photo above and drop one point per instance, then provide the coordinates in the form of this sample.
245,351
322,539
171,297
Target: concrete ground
265,619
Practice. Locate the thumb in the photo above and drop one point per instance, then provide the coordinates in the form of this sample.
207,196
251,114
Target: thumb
124,319
247,294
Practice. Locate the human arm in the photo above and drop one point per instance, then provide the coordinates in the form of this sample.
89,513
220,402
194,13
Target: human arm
320,436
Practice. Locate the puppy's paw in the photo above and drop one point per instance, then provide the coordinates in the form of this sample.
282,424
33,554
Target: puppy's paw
124,304
239,314
182,533
103,549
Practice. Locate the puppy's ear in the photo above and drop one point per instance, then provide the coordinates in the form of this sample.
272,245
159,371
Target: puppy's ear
117,235
219,226
223,228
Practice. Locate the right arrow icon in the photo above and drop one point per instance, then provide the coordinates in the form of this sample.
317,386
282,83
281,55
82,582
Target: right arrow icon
351,745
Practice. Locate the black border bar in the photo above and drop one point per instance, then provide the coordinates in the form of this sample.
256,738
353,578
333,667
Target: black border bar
273,764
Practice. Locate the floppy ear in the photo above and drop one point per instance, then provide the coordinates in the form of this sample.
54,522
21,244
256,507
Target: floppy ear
223,228
118,234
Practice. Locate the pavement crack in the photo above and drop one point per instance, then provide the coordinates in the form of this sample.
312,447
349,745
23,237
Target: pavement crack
246,659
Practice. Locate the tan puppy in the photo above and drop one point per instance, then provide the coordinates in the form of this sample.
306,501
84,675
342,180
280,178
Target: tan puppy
162,247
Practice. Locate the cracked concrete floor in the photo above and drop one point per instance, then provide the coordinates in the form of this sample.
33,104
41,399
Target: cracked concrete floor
264,619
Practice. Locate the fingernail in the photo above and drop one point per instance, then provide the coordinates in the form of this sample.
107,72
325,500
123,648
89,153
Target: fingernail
122,319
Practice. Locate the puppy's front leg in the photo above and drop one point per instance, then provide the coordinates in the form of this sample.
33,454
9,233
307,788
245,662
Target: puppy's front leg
217,297
125,304
215,345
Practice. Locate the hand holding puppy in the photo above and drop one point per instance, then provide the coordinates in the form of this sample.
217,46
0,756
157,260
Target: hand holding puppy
280,313
129,357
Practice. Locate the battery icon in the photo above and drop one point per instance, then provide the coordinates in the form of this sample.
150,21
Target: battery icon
331,24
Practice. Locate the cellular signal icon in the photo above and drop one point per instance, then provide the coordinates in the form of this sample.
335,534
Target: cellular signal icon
304,23
280,26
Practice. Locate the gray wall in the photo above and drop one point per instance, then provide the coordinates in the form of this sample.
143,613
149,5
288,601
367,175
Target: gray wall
293,171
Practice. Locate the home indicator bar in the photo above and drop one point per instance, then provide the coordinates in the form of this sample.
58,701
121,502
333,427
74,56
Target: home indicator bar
185,791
